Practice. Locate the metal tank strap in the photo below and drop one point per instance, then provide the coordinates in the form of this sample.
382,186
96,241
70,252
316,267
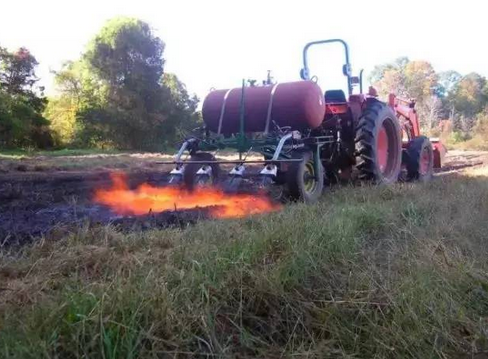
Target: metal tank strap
222,111
270,106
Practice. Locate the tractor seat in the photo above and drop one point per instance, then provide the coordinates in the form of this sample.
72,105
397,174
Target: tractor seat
335,96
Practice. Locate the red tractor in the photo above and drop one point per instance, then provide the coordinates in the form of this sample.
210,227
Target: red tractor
309,138
386,135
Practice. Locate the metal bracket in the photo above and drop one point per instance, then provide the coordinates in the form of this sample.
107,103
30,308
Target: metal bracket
269,170
178,170
205,170
238,170
176,174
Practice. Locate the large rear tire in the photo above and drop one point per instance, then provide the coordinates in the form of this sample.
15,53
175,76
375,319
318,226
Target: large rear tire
302,182
420,159
190,177
378,144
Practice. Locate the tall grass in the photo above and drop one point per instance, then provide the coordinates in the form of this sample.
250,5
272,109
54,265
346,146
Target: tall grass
397,272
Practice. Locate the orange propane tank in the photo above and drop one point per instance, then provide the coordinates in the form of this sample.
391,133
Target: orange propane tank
299,105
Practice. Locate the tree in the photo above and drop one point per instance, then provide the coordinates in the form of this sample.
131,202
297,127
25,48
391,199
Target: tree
469,97
127,58
21,119
393,81
17,71
182,115
379,70
447,82
420,80
414,79
481,126
117,95
431,111
62,112
127,55
78,90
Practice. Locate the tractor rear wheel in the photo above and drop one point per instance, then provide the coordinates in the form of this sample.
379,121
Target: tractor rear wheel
378,143
303,183
192,179
420,159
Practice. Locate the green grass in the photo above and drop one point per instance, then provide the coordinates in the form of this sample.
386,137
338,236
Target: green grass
368,272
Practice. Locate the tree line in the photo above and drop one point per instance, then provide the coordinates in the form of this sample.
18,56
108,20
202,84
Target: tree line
448,103
117,95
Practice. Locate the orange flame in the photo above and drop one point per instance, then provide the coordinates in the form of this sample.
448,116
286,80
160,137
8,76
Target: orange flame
147,198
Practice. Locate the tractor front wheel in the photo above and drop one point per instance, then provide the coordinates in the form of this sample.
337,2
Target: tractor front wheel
304,182
378,143
420,159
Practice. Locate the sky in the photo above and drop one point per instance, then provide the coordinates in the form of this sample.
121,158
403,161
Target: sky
215,44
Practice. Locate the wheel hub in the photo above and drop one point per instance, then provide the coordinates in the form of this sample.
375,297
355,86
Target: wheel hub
309,177
382,149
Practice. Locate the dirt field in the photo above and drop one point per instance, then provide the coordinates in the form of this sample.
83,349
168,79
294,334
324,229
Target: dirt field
52,195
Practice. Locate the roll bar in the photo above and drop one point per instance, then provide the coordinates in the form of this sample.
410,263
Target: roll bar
346,68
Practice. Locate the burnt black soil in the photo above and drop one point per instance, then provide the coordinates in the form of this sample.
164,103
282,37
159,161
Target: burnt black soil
33,205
